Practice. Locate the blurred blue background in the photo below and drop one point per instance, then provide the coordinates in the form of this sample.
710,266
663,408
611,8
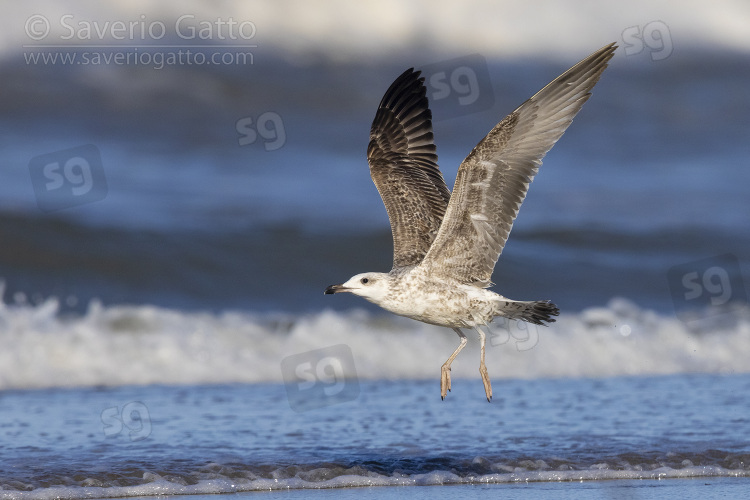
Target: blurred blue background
210,157
232,140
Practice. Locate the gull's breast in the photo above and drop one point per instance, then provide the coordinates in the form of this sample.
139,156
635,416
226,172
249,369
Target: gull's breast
437,303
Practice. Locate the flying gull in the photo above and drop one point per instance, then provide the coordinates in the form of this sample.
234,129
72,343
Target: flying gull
445,247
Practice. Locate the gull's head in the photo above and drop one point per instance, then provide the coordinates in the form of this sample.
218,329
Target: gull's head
372,286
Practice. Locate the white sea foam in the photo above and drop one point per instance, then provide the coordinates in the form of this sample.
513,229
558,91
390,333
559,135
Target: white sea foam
122,345
162,486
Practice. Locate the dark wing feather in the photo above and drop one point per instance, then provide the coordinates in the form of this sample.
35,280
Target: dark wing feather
493,180
403,166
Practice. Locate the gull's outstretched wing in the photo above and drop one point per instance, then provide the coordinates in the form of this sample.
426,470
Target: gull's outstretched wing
403,166
493,180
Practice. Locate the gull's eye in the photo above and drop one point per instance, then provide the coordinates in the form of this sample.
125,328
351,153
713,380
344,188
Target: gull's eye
364,281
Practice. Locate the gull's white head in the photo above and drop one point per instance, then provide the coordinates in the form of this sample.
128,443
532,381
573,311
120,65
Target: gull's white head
372,286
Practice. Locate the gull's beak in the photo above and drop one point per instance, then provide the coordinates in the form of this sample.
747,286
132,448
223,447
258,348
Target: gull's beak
335,289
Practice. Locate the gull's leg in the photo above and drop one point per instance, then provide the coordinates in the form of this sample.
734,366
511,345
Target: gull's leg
482,367
445,370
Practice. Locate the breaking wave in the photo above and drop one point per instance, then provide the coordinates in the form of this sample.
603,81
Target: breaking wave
124,345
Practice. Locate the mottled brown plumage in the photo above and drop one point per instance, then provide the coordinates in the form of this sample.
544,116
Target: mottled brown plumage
445,246
493,180
403,165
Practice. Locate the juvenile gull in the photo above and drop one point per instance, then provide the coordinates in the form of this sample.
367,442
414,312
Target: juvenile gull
445,247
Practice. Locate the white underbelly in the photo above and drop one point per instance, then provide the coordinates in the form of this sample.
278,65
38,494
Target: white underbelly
455,308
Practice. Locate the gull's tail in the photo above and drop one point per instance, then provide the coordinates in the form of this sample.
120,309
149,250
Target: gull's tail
533,311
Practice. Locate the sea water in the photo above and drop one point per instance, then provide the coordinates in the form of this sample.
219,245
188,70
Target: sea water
127,401
199,439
